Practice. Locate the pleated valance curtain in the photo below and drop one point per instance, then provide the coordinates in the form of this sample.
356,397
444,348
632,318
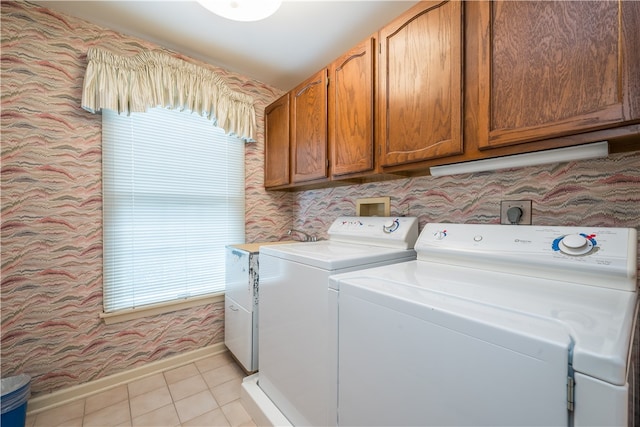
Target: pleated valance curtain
153,79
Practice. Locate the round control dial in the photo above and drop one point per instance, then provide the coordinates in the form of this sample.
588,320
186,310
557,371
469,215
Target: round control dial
574,244
391,226
439,235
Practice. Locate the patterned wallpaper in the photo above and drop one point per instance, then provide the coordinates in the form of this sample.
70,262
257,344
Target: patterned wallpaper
52,207
600,192
52,211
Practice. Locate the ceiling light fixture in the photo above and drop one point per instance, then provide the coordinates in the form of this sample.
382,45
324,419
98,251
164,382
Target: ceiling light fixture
242,10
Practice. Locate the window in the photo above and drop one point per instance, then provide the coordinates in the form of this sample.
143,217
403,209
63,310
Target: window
173,190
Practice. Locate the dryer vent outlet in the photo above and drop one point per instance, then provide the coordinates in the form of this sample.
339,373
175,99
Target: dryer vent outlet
515,212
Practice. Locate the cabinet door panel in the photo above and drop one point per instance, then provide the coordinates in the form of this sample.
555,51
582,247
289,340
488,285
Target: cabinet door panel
421,84
276,146
552,69
351,110
309,129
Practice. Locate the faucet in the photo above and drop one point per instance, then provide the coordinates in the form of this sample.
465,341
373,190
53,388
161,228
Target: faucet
307,237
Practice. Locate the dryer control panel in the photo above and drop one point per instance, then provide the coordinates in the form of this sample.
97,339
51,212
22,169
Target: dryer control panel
598,256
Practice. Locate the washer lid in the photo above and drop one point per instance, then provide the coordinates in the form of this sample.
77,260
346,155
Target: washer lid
599,321
330,255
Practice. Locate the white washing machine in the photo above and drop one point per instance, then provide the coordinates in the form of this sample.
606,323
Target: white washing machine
492,325
296,360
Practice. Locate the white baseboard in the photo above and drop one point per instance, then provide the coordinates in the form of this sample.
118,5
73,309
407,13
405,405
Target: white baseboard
262,410
61,397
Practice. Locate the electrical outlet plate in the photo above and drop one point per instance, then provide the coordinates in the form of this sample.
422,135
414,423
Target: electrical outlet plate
525,205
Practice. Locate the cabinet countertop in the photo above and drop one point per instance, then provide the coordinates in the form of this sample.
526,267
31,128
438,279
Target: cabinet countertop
255,247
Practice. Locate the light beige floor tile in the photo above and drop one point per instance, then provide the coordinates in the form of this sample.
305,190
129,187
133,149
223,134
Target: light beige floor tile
187,387
213,418
110,416
213,362
60,415
229,391
150,401
161,417
196,405
30,421
76,422
235,413
106,398
222,374
181,373
146,385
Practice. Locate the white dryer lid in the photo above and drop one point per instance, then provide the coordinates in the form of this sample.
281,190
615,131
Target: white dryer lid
598,321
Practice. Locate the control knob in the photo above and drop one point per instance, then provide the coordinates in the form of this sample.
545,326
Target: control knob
391,226
575,244
439,235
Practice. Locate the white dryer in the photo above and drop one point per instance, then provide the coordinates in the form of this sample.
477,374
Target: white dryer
492,325
296,358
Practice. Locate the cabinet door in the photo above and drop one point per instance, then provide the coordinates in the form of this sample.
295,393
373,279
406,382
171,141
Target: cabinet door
309,129
276,145
351,83
556,68
238,333
420,84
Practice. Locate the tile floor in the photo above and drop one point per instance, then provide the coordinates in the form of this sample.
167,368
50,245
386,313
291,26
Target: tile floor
203,393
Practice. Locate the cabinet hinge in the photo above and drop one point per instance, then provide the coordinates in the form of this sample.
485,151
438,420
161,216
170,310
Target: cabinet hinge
570,393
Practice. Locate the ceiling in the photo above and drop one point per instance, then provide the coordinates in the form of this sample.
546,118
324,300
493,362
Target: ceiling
299,39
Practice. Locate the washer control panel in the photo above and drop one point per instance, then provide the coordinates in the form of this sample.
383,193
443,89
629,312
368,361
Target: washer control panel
591,255
379,231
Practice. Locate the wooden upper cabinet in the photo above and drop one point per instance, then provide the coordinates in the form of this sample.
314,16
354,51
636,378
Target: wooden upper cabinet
351,103
420,84
537,75
309,129
276,145
549,69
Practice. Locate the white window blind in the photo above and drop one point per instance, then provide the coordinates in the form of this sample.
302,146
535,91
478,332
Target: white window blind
173,198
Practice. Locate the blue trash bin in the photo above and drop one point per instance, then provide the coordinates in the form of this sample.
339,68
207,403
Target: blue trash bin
13,402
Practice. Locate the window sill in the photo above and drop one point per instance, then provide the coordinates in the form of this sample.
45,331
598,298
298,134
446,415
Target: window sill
154,309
